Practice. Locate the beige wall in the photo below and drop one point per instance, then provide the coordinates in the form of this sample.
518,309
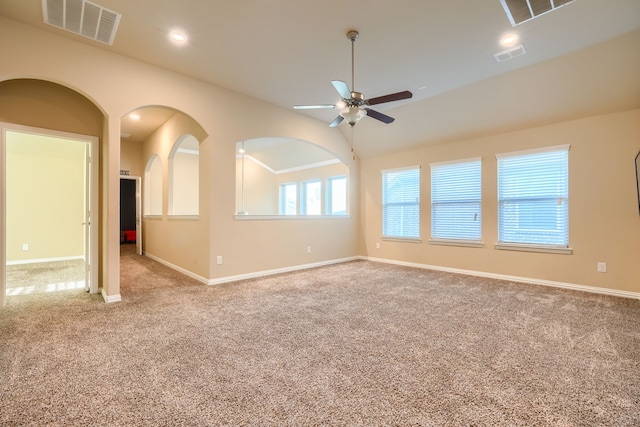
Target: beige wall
131,158
185,184
603,205
174,239
45,197
260,189
119,85
47,105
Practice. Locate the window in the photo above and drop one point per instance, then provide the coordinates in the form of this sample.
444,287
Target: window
311,198
533,198
337,195
153,186
456,201
401,203
288,199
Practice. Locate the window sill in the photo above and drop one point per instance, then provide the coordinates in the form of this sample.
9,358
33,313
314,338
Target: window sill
187,217
533,248
401,239
289,217
463,243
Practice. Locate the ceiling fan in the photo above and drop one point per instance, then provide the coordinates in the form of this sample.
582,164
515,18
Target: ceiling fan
354,105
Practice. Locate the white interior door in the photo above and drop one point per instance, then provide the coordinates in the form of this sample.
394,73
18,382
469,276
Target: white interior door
91,279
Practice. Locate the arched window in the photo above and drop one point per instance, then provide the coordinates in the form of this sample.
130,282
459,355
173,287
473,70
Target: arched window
184,176
153,186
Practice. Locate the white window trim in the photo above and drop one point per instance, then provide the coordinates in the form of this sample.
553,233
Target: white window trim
304,186
534,248
454,242
564,147
287,217
398,238
401,239
328,194
454,162
404,168
458,242
522,247
281,201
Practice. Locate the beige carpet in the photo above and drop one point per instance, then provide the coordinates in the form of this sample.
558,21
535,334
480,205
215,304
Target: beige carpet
354,344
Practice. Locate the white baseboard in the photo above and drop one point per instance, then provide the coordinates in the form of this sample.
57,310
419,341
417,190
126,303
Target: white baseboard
263,273
110,298
519,279
235,278
41,260
179,269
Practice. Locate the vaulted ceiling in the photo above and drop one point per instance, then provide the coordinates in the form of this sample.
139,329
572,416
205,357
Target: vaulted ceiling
581,59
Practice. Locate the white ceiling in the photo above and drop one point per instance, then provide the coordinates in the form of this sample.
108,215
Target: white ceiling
583,58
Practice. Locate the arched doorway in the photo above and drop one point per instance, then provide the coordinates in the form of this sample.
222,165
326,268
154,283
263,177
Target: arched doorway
50,141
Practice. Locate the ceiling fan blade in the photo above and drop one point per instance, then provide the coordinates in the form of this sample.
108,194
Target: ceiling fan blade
336,122
379,116
310,107
391,97
342,88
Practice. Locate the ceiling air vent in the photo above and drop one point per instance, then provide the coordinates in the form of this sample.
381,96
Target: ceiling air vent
509,53
82,17
519,11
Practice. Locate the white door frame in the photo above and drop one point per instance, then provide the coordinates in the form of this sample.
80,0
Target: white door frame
92,211
138,180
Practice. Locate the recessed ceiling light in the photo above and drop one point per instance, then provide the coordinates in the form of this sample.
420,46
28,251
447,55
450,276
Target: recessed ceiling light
178,37
134,116
509,39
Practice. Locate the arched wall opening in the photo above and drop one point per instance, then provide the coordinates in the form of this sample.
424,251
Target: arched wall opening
38,105
164,146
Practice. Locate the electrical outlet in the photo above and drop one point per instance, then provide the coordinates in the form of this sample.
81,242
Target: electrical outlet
602,267
219,259
378,245
308,249
25,247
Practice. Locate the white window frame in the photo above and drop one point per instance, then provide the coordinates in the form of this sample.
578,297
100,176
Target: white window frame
386,205
330,194
304,197
456,202
282,203
559,197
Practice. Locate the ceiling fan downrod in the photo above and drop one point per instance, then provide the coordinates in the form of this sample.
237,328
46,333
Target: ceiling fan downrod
353,36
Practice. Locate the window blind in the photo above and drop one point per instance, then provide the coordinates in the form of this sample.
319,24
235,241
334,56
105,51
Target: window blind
401,203
533,198
456,201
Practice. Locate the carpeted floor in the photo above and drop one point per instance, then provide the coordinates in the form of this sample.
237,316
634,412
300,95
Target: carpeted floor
22,279
358,343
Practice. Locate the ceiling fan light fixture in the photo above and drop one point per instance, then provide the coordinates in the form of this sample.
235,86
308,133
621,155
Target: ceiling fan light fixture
352,114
